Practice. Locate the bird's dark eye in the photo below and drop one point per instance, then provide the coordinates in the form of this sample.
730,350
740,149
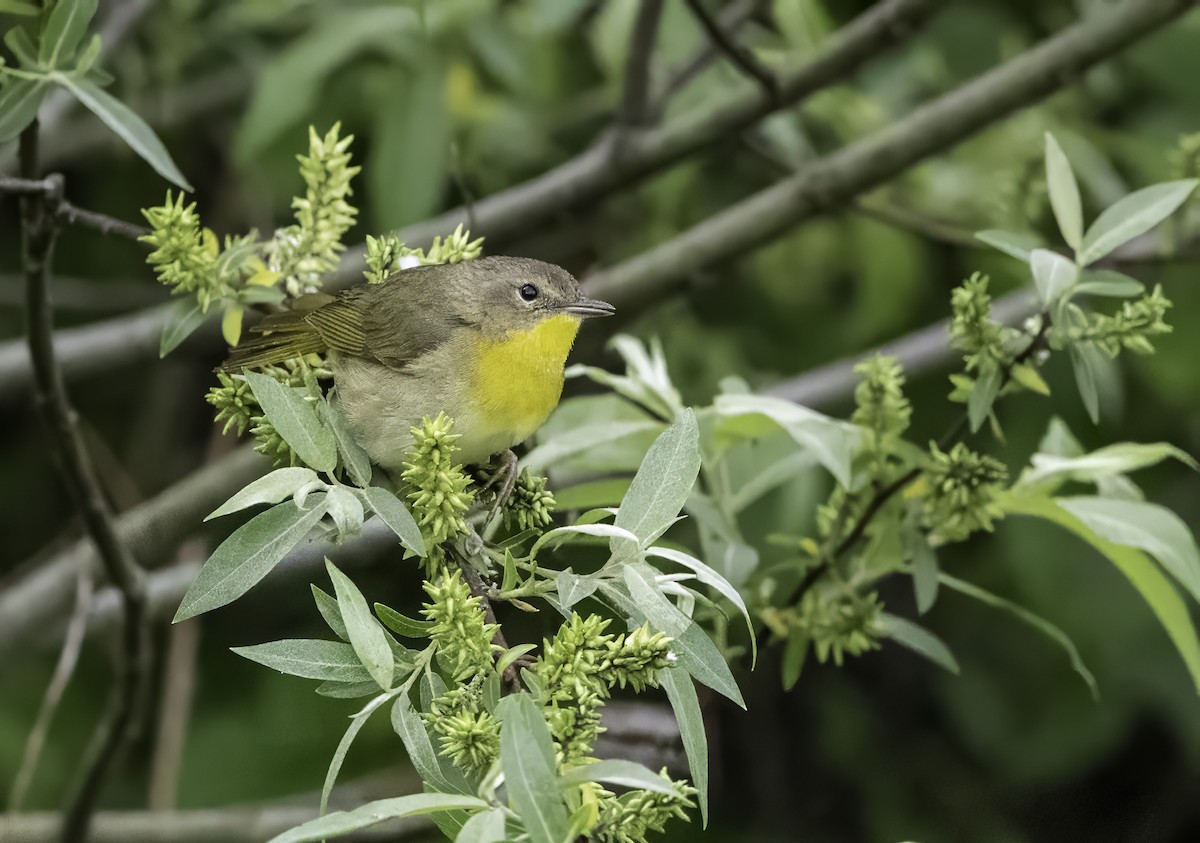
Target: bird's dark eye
528,292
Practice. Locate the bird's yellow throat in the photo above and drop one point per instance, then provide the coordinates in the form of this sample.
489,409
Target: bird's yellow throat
518,380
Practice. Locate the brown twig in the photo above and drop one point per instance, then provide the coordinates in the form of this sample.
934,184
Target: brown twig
479,588
730,19
735,52
65,211
39,229
633,110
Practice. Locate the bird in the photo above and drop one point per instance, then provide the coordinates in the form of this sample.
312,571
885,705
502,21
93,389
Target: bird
485,341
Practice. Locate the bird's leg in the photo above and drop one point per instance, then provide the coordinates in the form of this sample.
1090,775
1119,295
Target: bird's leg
506,476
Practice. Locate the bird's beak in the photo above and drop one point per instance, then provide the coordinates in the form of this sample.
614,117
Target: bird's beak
591,307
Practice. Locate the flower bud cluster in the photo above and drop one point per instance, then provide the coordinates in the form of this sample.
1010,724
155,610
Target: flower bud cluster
962,490
437,485
460,631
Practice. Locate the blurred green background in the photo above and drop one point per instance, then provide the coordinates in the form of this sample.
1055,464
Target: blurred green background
457,99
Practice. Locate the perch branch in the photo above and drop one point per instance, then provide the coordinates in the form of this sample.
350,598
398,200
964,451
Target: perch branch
631,113
734,51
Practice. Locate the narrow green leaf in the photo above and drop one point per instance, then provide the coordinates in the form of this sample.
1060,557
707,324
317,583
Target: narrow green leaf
65,27
1087,361
1051,470
983,395
1029,377
686,705
530,771
795,654
484,827
1037,622
1064,193
270,488
572,588
341,823
247,556
183,320
1053,275
395,515
408,725
19,102
308,658
712,579
366,635
343,747
129,127
19,7
348,690
327,605
1135,214
621,773
924,573
511,655
1106,282
663,483
1154,587
1146,526
296,420
1011,243
20,39
402,624
354,458
918,639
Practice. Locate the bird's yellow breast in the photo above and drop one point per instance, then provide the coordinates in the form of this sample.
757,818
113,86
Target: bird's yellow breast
518,380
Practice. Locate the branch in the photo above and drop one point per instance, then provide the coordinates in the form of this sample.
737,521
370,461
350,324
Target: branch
729,19
39,229
734,51
631,113
854,169
65,211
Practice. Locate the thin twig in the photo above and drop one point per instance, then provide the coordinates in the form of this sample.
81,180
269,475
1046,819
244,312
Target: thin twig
479,588
39,229
735,52
64,669
66,212
730,19
632,111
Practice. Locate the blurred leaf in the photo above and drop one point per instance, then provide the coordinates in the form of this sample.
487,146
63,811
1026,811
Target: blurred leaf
1120,458
918,639
621,773
795,654
1041,624
1011,243
1155,588
270,488
19,101
366,636
1145,526
395,515
530,771
247,556
183,320
231,325
686,705
572,442
1064,193
407,162
296,420
21,40
484,827
1088,362
983,394
1029,377
341,823
1135,214
1106,282
590,495
1053,275
19,7
66,24
924,572
662,485
129,126
308,658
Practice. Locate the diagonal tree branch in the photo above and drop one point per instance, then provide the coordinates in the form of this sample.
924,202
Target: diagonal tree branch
840,176
632,111
589,176
39,229
734,51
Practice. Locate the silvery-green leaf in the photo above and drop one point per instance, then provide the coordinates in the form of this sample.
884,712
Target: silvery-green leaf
183,320
247,556
924,573
402,624
1053,275
65,26
1064,193
345,510
686,705
309,658
296,420
270,488
327,605
129,127
795,653
713,580
341,823
366,635
573,531
421,754
662,484
530,770
1155,588
833,443
621,773
918,639
1135,214
354,457
484,827
395,514
339,755
572,588
1088,362
1120,458
348,690
582,439
1145,526
1040,624
1011,243
1106,282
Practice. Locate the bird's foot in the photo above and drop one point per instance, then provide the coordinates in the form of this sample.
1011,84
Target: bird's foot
501,483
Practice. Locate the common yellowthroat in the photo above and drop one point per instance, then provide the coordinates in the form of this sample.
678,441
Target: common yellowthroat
484,340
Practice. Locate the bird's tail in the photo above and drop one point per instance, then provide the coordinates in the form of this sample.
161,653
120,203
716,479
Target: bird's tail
278,338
